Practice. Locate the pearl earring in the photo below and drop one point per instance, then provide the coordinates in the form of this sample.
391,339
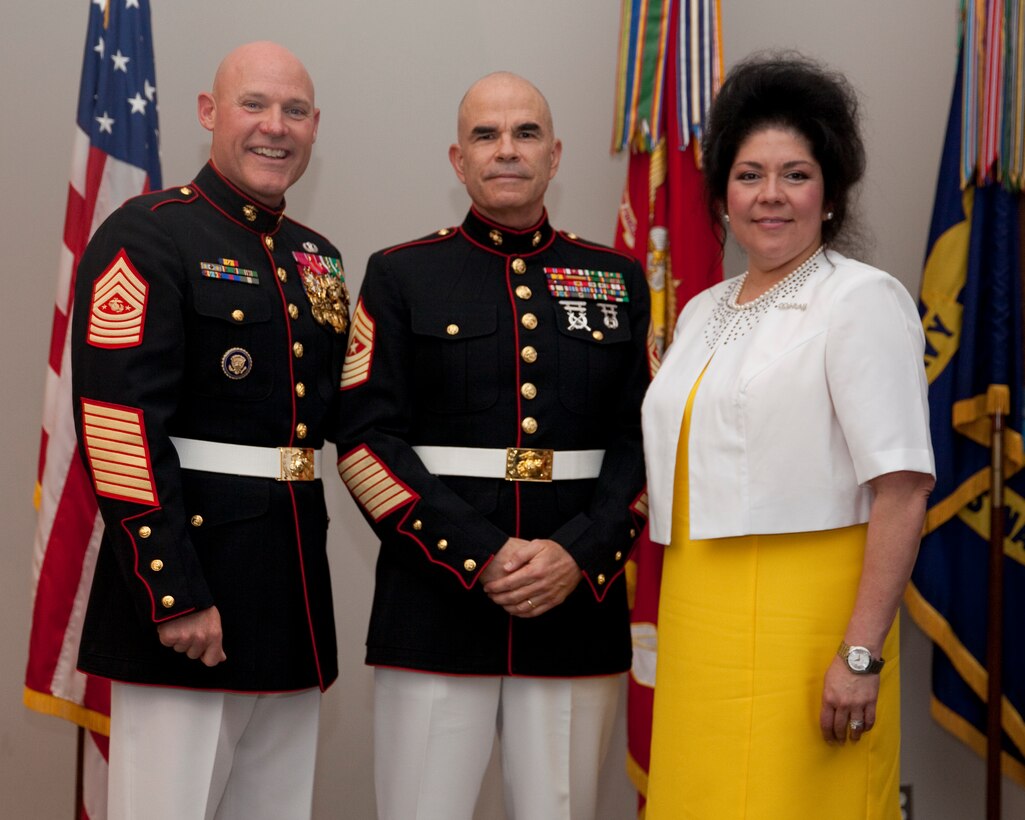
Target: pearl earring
829,215
725,217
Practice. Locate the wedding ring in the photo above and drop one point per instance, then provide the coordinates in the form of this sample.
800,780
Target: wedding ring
856,724
531,603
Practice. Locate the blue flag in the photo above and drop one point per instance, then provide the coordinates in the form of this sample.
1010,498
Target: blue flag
971,309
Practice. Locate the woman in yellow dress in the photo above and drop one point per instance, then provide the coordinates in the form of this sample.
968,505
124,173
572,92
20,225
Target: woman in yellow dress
789,464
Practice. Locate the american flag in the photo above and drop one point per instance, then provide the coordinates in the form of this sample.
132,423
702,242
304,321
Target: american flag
115,156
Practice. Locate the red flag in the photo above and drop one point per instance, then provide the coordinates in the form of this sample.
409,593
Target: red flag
664,223
115,157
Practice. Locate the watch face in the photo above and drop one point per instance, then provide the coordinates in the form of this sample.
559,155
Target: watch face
858,658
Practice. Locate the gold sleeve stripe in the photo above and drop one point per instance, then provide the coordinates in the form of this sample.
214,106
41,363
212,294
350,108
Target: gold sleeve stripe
115,445
356,369
374,488
118,306
640,505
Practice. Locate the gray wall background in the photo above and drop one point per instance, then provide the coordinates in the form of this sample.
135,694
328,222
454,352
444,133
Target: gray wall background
389,75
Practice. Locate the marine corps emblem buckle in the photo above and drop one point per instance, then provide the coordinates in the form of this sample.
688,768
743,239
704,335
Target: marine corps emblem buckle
522,464
296,464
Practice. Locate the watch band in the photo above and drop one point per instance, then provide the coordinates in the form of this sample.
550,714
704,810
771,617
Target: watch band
874,666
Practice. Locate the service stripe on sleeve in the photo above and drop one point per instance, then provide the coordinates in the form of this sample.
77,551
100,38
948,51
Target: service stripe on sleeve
356,369
115,445
118,306
640,505
375,489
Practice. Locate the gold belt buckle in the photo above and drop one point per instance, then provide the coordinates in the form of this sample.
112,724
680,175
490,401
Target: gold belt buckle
296,464
523,464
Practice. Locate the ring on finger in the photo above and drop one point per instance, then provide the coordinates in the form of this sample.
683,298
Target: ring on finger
531,604
856,725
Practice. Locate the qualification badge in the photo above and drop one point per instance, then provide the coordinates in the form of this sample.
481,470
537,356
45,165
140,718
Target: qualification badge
324,281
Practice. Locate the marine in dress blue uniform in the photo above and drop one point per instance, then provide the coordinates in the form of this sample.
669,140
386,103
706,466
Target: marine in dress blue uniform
491,392
208,338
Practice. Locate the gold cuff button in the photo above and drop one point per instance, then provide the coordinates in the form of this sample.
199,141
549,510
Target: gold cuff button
300,389
452,330
529,425
282,275
156,565
469,565
167,601
442,544
597,335
300,430
519,266
269,242
418,525
196,521
601,579
528,354
298,350
293,311
238,315
528,390
529,321
145,532
523,292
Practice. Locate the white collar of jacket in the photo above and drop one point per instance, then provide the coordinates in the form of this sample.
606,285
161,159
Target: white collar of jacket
794,440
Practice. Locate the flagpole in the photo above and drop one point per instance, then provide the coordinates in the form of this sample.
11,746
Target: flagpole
995,632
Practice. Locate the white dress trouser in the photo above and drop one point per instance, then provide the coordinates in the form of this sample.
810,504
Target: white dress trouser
433,736
181,754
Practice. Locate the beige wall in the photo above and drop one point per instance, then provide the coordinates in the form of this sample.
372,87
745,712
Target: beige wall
389,75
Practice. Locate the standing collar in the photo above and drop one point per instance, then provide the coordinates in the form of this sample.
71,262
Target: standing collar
236,205
508,241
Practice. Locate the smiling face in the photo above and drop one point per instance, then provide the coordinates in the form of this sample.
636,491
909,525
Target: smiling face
507,152
263,120
774,199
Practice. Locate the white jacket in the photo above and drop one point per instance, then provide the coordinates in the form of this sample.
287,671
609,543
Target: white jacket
824,393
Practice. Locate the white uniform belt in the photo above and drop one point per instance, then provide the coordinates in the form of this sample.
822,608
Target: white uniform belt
512,463
282,463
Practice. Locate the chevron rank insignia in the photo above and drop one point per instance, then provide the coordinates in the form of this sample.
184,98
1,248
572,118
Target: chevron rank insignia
118,305
595,285
356,369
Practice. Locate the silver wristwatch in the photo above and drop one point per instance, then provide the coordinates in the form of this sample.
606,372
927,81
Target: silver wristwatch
859,660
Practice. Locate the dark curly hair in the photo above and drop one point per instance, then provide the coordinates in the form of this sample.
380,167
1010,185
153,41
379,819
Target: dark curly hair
787,90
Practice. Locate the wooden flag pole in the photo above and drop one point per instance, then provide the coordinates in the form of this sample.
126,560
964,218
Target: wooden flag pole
995,630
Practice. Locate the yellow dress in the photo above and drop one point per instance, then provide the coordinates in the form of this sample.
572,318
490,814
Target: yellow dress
746,629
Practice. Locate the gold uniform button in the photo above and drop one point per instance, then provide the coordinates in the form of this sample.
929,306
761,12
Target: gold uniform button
300,430
529,321
250,213
597,335
156,565
298,349
619,555
601,579
293,310
535,240
145,532
571,235
469,565
282,274
442,544
528,354
633,532
269,242
495,237
418,525
519,266
167,601
300,389
238,315
528,390
444,232
196,521
529,425
185,191
452,330
523,292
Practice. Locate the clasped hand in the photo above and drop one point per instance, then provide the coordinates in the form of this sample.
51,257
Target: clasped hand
528,578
